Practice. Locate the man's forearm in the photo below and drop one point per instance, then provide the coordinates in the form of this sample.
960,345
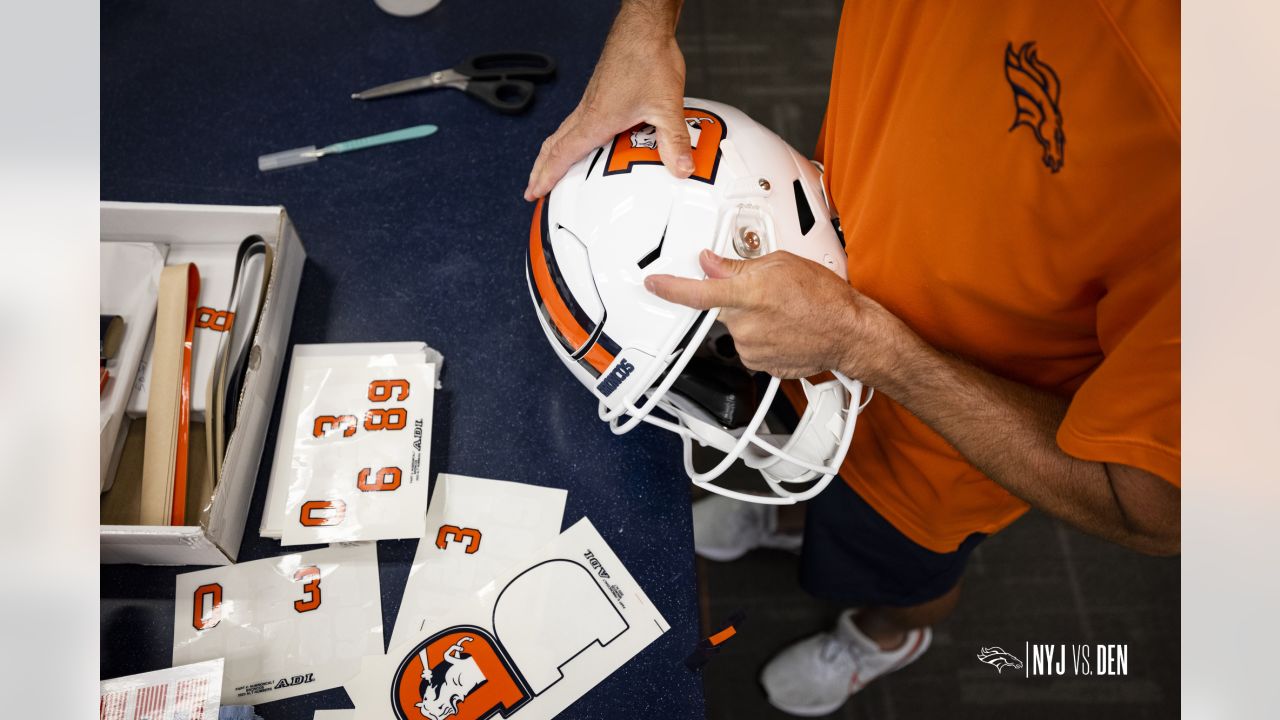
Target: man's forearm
1008,431
649,15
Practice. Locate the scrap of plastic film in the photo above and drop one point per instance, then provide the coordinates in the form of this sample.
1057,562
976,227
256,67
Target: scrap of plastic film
532,641
287,626
476,528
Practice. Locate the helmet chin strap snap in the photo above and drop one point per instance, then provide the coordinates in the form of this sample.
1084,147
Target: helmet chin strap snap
747,243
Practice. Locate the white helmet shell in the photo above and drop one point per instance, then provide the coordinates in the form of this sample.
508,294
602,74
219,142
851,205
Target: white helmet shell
618,216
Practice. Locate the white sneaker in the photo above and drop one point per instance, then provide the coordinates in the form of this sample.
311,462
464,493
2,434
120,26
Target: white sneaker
725,529
818,674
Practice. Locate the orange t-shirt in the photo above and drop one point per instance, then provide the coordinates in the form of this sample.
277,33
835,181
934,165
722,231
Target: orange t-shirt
1007,176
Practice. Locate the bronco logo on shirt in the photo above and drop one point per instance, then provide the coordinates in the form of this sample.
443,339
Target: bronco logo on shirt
1035,101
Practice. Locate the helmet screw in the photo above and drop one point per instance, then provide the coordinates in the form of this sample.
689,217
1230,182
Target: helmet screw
764,184
747,243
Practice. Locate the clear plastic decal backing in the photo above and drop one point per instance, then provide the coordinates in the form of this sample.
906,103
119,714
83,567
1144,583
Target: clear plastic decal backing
476,528
527,645
361,447
189,692
287,626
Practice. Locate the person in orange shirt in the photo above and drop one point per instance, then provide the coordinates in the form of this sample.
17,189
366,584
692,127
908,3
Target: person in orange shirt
1007,176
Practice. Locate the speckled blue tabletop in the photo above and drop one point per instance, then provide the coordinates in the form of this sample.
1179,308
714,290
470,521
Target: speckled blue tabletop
419,241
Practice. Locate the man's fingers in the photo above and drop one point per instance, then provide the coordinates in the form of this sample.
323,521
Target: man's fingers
719,267
673,143
575,138
698,294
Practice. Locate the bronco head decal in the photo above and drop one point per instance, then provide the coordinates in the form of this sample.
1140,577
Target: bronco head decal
1035,101
461,673
639,146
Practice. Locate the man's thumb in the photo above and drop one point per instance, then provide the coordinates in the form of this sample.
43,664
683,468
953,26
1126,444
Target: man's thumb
673,145
719,267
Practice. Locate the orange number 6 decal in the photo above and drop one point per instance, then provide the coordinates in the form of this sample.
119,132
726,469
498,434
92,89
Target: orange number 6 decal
469,537
388,478
317,513
381,390
324,422
202,619
389,419
311,599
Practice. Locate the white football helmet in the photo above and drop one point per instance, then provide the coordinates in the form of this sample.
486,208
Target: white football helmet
617,216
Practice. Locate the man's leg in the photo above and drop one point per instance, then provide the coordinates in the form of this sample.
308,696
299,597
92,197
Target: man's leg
889,626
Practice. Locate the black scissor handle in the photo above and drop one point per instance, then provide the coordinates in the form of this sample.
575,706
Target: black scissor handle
507,95
493,66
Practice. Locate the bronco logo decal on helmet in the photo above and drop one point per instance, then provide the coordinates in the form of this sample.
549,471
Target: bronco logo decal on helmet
460,673
639,146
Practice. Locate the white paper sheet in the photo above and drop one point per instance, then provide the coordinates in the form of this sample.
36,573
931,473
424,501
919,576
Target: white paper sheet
334,715
305,357
527,645
361,446
287,626
189,692
476,528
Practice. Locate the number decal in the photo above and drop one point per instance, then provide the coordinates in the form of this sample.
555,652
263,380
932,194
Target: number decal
389,419
388,478
381,390
319,513
324,422
216,320
469,537
204,618
311,598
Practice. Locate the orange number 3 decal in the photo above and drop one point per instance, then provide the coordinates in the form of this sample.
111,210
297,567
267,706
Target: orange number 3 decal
346,422
469,537
311,591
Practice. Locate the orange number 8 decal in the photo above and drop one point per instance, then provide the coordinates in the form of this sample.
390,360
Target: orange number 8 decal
388,478
381,390
202,619
318,513
311,599
216,320
390,419
325,422
469,537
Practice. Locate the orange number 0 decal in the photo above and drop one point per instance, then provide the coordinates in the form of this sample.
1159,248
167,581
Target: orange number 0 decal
388,478
382,390
311,598
202,619
324,422
469,537
318,513
389,419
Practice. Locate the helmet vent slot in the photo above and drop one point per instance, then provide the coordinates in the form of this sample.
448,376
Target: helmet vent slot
803,211
655,253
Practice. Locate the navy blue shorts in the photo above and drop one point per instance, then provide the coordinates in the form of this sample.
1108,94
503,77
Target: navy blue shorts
855,557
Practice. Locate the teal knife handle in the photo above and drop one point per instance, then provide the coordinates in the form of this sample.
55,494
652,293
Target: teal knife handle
409,133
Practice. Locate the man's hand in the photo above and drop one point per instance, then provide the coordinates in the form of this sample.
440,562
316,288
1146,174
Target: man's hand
789,316
639,78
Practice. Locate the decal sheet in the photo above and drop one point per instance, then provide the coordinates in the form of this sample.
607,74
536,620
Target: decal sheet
287,626
189,692
526,646
360,452
476,528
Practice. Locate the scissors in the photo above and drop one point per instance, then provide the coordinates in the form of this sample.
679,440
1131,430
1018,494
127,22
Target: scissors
503,80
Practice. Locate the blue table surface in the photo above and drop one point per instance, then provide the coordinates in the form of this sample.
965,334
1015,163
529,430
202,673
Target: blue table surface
420,241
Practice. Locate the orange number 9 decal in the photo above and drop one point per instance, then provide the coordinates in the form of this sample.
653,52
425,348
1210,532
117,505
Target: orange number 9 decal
388,478
311,598
381,390
324,422
469,537
202,618
389,419
318,513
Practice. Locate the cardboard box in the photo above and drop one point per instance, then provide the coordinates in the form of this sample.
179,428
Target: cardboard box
216,540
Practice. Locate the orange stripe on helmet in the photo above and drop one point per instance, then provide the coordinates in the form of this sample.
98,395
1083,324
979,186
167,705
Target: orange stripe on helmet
559,314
